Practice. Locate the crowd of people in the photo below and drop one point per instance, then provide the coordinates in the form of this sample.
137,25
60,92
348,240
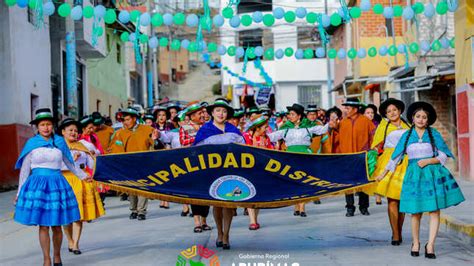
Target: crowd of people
56,187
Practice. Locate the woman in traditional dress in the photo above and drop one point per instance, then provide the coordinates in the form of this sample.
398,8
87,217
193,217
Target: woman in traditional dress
41,181
427,186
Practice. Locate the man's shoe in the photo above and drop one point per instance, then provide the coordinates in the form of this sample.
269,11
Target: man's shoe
141,217
350,213
133,215
365,212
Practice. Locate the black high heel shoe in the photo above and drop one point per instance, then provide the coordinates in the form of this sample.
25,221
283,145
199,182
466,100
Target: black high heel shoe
396,242
70,249
225,246
415,253
219,244
429,255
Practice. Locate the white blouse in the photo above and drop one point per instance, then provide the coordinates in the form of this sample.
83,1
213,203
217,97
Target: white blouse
51,158
298,136
90,147
418,151
393,138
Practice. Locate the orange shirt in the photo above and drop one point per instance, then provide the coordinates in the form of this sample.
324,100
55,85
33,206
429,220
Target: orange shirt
105,134
132,140
355,134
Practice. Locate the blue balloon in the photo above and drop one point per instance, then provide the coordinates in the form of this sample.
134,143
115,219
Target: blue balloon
320,52
341,53
153,42
132,37
257,16
362,53
48,8
452,6
219,65
388,12
22,3
402,48
185,43
221,50
124,16
299,54
425,46
383,50
326,20
212,64
301,12
444,42
279,54
278,13
239,52
218,20
234,22
76,12
168,19
430,10
408,13
99,11
365,5
340,11
192,20
258,51
145,19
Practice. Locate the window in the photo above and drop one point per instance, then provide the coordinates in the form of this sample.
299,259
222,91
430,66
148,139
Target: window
388,24
34,102
309,94
254,38
247,6
309,38
119,53
97,105
31,15
107,40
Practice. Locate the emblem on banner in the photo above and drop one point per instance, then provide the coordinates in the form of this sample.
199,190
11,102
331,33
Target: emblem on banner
232,188
197,255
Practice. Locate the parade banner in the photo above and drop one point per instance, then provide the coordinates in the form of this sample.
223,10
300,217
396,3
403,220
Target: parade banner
233,175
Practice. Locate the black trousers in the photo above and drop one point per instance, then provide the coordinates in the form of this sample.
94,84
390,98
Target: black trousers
200,210
363,201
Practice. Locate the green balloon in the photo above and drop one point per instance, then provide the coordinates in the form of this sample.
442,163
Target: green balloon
436,46
372,51
251,53
452,43
88,12
442,8
246,20
100,31
64,10
378,9
227,12
32,3
179,18
175,45
192,47
269,53
10,2
268,20
418,8
355,12
212,47
352,53
110,16
231,50
308,53
289,51
163,41
206,23
124,36
134,15
290,16
414,47
332,53
397,11
157,20
392,50
336,20
311,17
143,38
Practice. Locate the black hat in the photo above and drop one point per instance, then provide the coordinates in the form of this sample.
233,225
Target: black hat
97,119
205,104
149,116
130,111
334,110
66,122
383,106
254,110
354,102
221,103
312,108
432,116
298,108
42,114
86,120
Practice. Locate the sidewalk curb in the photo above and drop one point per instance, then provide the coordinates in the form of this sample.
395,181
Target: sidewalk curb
457,229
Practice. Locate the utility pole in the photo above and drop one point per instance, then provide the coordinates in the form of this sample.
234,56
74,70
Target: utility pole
72,107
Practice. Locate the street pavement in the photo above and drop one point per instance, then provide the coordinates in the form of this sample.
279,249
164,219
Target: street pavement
325,237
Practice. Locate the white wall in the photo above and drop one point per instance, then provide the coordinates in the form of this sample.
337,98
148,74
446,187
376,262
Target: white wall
25,63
